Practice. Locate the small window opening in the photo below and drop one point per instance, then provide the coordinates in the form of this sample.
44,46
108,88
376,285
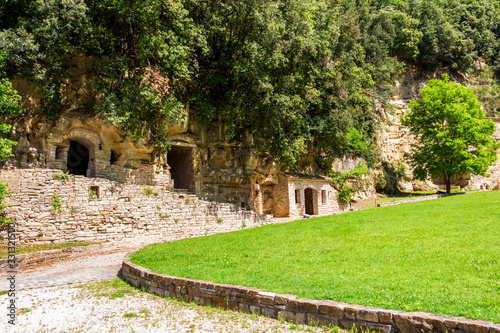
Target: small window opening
60,153
94,192
297,196
323,196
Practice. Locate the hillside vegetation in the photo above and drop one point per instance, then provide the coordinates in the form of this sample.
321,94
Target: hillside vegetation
290,72
438,256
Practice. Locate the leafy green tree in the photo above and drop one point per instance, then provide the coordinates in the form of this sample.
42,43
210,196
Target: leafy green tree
452,134
9,105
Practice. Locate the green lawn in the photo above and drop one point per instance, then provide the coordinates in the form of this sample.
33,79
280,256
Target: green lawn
440,256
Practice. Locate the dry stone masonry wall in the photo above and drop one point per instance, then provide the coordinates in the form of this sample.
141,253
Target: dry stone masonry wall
96,209
301,311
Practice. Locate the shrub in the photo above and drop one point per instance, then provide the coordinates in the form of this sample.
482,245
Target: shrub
56,204
62,176
350,182
149,191
3,193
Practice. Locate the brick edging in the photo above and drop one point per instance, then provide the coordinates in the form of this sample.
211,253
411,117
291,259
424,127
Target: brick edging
300,311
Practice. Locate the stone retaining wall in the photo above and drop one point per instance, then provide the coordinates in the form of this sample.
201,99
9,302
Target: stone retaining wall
423,198
300,311
100,210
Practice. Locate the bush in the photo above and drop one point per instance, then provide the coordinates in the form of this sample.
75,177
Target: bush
56,204
3,193
350,182
62,176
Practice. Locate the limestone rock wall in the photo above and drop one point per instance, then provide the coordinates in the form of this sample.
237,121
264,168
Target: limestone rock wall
492,182
111,211
394,140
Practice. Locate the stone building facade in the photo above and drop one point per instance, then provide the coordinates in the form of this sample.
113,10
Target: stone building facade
291,194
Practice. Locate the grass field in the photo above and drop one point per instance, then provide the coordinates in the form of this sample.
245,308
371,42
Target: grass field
440,256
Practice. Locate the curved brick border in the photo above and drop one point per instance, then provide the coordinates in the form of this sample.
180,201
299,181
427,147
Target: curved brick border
300,311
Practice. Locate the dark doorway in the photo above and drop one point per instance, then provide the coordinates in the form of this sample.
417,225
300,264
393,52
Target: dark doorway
180,160
78,159
309,201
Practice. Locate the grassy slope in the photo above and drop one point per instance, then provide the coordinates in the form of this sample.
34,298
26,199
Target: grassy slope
440,256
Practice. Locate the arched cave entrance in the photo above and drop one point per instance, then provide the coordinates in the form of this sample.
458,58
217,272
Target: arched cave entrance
78,159
309,201
180,160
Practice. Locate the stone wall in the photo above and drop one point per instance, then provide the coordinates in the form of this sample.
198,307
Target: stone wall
301,311
112,211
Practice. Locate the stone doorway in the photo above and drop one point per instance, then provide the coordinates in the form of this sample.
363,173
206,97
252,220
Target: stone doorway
309,201
268,200
78,159
180,160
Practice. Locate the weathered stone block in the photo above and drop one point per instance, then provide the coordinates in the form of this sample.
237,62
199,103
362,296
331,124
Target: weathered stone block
243,307
331,308
232,305
270,313
303,305
350,311
386,316
193,291
254,309
219,302
266,298
286,315
495,328
367,314
418,322
470,325
451,323
321,320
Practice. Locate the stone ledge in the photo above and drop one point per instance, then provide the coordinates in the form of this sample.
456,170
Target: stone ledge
300,311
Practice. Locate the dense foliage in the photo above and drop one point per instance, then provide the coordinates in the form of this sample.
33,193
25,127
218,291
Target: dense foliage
350,182
453,136
290,72
9,105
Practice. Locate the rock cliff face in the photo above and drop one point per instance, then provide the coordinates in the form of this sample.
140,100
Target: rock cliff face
395,140
200,160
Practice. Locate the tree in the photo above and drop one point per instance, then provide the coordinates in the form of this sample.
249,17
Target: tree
9,105
452,134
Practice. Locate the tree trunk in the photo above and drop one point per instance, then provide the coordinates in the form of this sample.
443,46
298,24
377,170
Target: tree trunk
448,184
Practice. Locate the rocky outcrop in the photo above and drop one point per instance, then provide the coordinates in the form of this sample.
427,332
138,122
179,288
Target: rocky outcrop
394,140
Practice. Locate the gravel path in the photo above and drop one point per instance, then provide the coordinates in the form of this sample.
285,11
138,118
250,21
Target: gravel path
93,267
113,306
61,297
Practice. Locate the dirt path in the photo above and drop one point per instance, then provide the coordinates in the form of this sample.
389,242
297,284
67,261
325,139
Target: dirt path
92,267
